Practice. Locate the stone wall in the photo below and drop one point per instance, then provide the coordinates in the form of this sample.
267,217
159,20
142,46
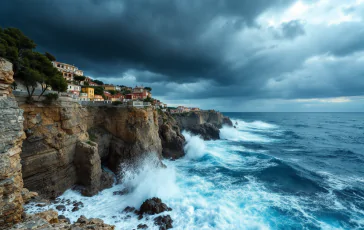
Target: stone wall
11,137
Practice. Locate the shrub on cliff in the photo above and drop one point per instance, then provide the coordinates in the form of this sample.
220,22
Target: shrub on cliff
50,97
31,67
116,103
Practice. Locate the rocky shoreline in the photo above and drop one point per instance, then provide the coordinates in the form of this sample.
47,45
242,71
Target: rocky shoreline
51,148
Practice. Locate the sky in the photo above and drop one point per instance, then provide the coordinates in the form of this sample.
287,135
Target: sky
227,55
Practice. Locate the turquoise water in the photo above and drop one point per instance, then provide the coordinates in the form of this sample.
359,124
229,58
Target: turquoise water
274,171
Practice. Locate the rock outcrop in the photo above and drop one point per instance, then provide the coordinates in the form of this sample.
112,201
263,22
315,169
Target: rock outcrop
153,206
11,138
51,220
89,171
203,123
172,139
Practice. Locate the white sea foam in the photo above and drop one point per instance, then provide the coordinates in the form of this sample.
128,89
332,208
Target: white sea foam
256,125
195,146
233,134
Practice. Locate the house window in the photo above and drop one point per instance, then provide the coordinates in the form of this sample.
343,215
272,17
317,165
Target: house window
58,65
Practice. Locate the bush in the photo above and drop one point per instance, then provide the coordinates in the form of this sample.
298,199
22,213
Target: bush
50,97
116,103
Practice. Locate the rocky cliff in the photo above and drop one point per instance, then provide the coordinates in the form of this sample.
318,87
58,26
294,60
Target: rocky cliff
67,144
203,123
11,138
172,139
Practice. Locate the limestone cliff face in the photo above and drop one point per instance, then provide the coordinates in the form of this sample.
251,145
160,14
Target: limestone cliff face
11,137
203,123
67,143
172,139
49,149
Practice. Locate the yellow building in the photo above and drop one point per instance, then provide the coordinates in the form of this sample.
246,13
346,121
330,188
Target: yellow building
90,92
109,87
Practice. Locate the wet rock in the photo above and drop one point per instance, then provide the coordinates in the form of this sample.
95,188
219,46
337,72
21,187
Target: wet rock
78,204
61,208
207,131
75,209
227,121
129,209
50,216
164,222
41,205
27,195
122,192
142,226
63,218
153,206
82,220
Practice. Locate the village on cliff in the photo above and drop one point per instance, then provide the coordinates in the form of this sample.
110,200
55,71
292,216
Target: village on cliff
85,90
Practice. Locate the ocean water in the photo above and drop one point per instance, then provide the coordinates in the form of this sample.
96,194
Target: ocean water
273,171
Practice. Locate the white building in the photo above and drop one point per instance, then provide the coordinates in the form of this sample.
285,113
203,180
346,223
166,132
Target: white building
74,89
83,97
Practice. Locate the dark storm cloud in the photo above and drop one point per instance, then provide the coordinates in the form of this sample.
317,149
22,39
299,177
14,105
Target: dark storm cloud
109,37
200,49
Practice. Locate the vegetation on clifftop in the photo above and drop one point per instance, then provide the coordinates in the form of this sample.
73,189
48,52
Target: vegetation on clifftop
29,66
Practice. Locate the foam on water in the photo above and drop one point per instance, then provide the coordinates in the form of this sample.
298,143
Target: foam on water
195,147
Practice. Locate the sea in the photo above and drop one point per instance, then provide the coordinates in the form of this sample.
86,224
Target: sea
272,171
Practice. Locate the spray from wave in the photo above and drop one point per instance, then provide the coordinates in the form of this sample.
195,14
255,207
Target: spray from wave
148,179
195,147
143,180
246,131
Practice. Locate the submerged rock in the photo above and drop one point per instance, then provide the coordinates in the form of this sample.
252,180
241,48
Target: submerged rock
129,209
61,208
122,192
153,206
142,226
164,222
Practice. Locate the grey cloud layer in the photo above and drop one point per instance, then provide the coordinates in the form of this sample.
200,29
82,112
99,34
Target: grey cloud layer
198,49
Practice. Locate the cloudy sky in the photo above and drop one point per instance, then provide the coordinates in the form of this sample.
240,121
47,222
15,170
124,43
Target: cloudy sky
229,55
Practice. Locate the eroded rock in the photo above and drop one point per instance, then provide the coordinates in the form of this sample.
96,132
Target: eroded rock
164,222
153,206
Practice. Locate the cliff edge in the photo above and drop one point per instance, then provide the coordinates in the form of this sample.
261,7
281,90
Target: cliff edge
204,123
11,136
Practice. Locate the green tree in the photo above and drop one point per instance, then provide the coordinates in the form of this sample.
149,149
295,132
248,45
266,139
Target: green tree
148,88
31,67
112,92
148,99
99,90
98,82
50,56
